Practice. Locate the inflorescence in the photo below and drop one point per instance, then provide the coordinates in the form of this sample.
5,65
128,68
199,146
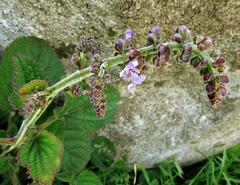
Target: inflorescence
197,51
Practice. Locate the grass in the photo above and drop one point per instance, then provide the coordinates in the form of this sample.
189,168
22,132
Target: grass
221,169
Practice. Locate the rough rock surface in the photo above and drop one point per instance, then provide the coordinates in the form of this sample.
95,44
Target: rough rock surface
169,116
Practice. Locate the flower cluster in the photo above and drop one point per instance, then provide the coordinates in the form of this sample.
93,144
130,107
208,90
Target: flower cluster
86,49
214,78
182,34
97,96
204,43
154,35
33,101
123,44
135,71
162,57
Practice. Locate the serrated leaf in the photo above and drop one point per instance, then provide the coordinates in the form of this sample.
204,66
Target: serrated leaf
86,178
40,61
103,152
41,155
79,111
77,144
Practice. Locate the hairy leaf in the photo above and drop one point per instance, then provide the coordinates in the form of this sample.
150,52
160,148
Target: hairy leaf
86,178
41,155
26,59
79,111
77,142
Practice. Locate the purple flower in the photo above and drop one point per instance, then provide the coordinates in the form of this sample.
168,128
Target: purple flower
157,31
184,33
119,44
176,37
132,74
129,34
150,38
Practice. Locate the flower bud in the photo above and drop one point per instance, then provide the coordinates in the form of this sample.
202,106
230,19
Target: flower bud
222,91
201,46
205,43
224,79
163,53
133,53
130,35
208,77
177,37
186,54
164,58
210,87
208,42
220,61
184,32
163,49
157,31
119,44
150,38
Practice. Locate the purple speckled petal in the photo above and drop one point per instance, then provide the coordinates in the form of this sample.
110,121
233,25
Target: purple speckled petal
125,74
137,79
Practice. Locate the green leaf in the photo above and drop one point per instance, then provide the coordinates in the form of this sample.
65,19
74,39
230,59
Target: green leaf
103,153
79,111
42,155
77,142
86,178
65,177
4,164
26,59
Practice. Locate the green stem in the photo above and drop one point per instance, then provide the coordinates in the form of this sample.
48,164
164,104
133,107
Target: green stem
78,76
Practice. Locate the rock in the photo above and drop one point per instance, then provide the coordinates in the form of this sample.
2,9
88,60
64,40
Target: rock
169,116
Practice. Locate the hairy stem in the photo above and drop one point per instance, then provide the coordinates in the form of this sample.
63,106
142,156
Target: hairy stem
79,75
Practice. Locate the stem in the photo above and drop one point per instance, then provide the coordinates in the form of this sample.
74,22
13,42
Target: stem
79,75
